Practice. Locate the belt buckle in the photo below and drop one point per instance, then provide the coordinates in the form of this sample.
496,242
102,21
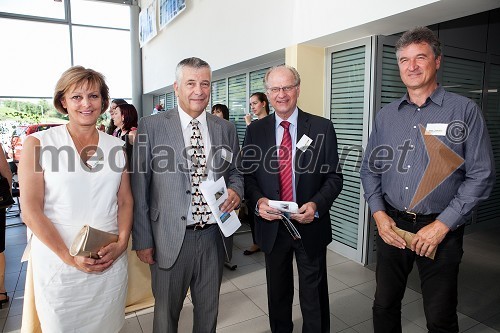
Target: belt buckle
198,227
414,215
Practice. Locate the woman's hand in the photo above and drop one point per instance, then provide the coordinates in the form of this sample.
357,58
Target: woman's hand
111,252
89,265
248,119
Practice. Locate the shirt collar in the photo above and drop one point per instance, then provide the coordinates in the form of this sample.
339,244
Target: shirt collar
436,97
292,119
186,119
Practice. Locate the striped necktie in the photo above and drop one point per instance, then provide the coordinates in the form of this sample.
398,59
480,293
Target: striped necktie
285,164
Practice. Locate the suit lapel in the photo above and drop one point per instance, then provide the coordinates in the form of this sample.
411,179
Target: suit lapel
176,138
303,127
270,145
215,132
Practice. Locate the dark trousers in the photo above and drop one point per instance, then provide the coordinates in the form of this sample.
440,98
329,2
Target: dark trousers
251,218
313,286
438,282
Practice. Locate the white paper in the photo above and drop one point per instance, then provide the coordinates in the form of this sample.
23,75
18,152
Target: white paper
304,142
227,155
436,129
284,206
215,194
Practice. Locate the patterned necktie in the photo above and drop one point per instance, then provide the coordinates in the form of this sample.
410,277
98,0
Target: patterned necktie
285,164
200,210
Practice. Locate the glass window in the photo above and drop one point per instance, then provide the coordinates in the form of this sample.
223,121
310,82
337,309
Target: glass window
33,58
171,101
107,52
49,9
257,85
237,101
100,13
489,210
219,92
464,77
346,112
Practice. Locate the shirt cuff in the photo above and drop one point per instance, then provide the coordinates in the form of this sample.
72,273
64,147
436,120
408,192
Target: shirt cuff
451,218
376,204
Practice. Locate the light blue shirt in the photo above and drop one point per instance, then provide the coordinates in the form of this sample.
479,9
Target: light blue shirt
293,133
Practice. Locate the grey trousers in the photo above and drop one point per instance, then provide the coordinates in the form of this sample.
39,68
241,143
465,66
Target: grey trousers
199,267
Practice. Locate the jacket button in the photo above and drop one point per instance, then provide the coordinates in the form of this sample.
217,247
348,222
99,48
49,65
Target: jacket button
183,218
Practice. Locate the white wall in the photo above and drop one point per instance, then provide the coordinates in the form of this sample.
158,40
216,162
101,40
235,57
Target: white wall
227,32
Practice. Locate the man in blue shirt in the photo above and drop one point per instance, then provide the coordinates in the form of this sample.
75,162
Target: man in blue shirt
428,163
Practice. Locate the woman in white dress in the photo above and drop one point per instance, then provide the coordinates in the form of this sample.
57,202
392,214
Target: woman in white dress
73,175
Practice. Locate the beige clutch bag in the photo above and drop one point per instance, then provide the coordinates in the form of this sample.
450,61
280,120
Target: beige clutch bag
89,241
408,237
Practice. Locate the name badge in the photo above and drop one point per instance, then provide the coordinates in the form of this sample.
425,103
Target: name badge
227,155
304,142
436,129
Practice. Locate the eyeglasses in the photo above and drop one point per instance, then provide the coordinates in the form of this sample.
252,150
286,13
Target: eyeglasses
276,90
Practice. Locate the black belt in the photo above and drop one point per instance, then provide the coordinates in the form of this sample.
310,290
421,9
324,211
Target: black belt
198,227
409,216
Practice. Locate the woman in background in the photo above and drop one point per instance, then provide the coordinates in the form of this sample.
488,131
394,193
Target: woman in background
125,119
221,111
260,108
112,107
71,176
5,172
259,105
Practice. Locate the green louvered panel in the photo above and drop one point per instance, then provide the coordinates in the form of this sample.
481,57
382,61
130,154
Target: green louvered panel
257,81
237,103
392,87
489,211
170,101
257,84
219,92
464,77
346,112
156,100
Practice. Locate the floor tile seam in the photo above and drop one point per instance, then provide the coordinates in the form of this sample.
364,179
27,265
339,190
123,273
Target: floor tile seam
240,322
243,292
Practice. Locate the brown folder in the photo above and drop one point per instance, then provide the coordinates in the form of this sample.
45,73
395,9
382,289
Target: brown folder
408,237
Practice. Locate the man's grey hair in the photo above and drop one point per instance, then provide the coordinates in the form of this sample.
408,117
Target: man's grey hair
192,62
419,35
296,74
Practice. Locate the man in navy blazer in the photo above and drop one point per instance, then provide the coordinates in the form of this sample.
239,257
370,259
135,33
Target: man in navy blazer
316,182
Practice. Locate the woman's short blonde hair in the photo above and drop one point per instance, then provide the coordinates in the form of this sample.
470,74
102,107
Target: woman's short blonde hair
77,76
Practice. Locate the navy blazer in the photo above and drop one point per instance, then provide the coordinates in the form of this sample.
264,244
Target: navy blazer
317,177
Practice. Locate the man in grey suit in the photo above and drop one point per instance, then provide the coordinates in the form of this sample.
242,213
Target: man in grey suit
174,231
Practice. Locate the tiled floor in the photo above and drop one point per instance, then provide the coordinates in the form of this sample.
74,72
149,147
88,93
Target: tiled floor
243,302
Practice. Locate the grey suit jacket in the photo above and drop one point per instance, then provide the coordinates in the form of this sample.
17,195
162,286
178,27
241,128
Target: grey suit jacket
161,181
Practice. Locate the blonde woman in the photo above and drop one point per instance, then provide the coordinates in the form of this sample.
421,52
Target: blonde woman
71,176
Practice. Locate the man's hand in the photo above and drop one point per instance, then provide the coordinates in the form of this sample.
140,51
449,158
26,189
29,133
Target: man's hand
306,213
267,212
429,237
384,226
146,255
232,201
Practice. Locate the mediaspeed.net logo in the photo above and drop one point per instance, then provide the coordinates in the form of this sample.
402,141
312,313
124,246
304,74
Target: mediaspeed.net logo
443,161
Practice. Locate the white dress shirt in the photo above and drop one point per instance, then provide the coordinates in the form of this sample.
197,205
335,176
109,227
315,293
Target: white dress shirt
187,132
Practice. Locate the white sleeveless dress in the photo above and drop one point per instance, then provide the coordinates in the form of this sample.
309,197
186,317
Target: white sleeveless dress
67,299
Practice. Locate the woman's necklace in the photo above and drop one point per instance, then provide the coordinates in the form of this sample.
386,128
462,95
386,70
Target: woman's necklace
85,151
